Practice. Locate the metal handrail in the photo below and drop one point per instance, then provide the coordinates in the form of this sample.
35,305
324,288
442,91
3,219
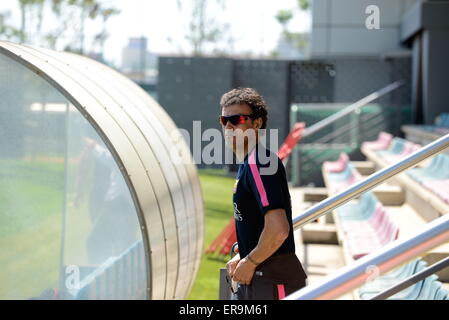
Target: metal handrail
370,182
343,130
337,133
440,265
347,128
392,255
351,108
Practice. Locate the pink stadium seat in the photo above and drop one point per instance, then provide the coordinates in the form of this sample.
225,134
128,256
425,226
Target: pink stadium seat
383,141
439,187
361,227
382,235
409,148
337,166
338,186
361,244
376,228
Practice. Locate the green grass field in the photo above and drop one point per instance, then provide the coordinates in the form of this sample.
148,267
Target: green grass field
28,227
39,223
217,193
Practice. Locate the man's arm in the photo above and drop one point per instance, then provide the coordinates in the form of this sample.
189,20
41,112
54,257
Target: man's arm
274,234
276,230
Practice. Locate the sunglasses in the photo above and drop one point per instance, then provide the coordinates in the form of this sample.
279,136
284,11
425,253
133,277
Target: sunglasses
235,119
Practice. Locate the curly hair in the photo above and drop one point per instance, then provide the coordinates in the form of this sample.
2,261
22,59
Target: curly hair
251,98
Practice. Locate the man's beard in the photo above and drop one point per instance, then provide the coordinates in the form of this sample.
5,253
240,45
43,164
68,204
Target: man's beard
240,142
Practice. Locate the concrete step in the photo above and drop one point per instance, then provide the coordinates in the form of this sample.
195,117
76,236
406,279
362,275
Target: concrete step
390,195
314,194
322,260
303,198
320,233
365,168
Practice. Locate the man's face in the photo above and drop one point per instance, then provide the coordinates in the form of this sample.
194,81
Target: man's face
237,136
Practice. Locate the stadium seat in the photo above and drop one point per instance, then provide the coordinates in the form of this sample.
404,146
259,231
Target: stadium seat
337,166
438,169
396,147
429,289
360,210
409,148
426,289
366,226
342,180
374,222
442,120
393,277
363,238
443,131
442,294
439,187
383,142
343,175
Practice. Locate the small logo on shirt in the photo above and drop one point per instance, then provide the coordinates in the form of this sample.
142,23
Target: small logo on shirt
237,215
235,185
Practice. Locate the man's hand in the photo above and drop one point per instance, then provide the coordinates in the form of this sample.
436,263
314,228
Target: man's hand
232,264
244,272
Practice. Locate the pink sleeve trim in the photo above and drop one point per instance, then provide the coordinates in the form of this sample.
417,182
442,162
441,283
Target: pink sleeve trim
281,291
258,180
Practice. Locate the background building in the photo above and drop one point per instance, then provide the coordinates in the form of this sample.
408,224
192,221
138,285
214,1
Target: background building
138,63
339,27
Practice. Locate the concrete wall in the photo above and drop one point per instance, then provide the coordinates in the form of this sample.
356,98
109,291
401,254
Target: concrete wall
339,28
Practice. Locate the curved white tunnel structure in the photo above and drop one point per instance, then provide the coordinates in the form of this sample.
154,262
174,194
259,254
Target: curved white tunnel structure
89,193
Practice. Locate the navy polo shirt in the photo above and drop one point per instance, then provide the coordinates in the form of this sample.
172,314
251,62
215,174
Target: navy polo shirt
260,186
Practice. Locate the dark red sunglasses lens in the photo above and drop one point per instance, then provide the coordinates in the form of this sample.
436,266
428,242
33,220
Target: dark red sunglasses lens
235,120
223,120
240,119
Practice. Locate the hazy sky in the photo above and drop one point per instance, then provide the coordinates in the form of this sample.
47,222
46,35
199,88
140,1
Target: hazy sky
252,24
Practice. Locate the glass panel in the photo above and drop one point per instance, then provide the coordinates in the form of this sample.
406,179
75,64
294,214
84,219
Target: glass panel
68,226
